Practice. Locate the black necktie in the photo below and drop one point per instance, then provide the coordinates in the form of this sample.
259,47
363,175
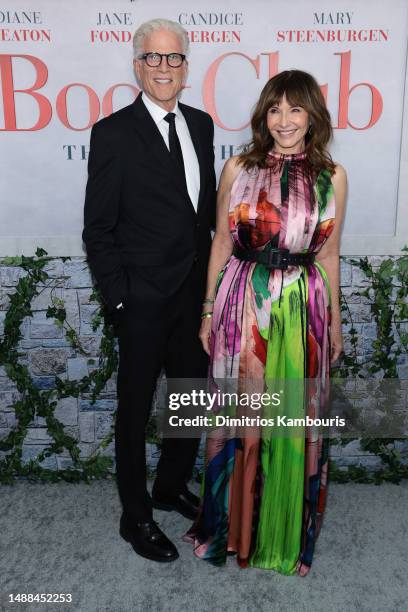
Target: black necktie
174,143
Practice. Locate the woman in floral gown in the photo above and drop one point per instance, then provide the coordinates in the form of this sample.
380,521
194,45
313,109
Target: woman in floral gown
273,317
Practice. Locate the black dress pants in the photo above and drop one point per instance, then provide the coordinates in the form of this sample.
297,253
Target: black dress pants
154,333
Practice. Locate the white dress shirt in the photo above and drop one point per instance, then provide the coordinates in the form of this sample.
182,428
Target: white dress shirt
191,167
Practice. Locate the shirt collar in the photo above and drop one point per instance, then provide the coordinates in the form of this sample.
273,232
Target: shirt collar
157,112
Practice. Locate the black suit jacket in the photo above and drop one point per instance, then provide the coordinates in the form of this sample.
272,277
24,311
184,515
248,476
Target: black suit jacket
141,231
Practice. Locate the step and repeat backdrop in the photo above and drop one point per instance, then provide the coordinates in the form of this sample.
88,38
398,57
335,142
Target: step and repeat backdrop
66,64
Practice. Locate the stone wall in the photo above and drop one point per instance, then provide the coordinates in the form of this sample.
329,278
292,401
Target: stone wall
46,353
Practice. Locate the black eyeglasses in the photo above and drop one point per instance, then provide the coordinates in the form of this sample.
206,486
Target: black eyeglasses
174,60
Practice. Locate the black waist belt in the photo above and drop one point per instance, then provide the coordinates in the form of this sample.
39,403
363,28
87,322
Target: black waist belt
275,258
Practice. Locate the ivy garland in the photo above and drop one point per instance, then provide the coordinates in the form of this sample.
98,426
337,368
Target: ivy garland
42,403
386,294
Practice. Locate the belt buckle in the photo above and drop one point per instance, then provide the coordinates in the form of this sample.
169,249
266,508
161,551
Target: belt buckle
278,258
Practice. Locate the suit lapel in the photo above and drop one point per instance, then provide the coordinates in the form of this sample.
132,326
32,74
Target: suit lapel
148,130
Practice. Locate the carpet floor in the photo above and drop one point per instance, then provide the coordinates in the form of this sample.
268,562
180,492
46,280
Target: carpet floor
63,538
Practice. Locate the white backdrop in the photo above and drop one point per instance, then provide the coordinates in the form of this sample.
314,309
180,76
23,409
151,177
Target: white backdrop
65,57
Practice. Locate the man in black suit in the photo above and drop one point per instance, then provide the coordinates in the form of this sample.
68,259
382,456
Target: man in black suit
149,208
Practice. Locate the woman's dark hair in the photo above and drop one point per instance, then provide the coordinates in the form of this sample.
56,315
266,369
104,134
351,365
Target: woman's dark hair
300,89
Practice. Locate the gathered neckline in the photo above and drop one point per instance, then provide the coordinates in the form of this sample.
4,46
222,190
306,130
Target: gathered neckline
287,156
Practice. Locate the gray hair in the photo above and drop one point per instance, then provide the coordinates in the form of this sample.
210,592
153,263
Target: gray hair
159,24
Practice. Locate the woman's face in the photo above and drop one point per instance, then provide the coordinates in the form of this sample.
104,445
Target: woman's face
288,126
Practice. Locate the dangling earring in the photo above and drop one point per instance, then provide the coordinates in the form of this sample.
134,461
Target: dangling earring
309,131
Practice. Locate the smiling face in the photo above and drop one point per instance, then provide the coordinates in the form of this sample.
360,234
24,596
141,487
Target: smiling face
161,84
288,126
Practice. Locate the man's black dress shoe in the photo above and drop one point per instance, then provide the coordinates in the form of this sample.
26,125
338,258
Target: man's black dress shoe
149,541
186,504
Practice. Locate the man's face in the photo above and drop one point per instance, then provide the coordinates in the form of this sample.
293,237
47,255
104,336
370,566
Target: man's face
161,84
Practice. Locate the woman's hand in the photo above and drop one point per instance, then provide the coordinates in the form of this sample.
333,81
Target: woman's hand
336,341
205,334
